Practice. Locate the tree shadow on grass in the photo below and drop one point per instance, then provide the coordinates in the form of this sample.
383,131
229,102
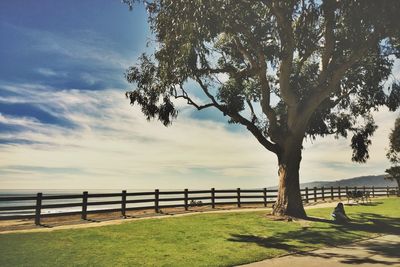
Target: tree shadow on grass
269,242
372,204
388,251
375,251
328,233
372,223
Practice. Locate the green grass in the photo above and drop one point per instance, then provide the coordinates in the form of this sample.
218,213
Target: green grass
219,239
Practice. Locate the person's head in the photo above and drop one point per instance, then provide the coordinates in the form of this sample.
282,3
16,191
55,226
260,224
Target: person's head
340,206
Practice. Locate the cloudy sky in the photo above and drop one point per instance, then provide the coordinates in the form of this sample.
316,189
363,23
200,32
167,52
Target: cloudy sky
65,122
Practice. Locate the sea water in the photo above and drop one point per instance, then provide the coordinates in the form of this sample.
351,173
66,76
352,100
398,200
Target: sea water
51,192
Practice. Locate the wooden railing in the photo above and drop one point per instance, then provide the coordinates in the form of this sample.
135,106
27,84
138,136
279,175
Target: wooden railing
157,200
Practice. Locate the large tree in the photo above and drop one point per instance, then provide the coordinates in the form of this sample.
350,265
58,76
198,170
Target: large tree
283,69
394,154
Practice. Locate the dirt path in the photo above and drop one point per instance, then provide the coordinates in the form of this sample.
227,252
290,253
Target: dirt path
65,224
379,251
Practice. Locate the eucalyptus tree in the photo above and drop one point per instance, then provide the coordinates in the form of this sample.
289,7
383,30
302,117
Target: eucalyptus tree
285,70
394,154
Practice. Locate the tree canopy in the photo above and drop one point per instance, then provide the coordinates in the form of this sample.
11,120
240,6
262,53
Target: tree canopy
289,63
393,174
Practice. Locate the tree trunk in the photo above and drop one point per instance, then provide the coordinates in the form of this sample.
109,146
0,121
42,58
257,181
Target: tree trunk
289,201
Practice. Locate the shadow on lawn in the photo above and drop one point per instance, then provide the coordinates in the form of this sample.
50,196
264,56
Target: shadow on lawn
331,234
364,204
389,250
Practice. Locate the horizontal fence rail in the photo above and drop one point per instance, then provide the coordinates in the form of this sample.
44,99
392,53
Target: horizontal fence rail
41,205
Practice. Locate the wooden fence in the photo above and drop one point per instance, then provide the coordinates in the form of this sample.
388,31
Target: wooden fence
158,200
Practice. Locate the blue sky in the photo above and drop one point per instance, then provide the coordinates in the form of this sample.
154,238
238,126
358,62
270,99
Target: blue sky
64,121
70,44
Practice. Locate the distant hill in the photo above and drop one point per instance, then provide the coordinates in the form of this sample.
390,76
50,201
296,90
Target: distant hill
371,180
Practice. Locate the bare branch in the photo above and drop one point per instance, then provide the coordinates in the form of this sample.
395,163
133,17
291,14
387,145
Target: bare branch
207,93
240,119
184,95
253,114
332,75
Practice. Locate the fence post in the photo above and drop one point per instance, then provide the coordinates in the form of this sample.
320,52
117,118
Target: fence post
213,198
373,191
186,193
323,193
265,196
387,191
238,198
123,204
156,200
331,192
315,194
307,195
340,196
38,208
84,205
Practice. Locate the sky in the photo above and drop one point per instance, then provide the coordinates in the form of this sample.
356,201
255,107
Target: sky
65,122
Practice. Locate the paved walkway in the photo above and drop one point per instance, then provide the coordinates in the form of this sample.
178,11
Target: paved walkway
376,252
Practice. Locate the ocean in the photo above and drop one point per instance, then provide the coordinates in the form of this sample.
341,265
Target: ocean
52,192
78,201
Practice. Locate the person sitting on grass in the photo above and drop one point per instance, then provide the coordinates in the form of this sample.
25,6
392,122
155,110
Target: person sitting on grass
339,215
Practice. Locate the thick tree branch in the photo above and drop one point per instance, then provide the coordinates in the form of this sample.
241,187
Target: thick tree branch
259,66
240,119
330,84
338,70
285,30
266,98
331,77
328,7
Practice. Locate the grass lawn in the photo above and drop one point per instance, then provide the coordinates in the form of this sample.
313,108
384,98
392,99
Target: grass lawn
220,239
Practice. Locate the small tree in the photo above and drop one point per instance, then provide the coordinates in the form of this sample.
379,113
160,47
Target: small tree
293,69
394,143
393,154
394,175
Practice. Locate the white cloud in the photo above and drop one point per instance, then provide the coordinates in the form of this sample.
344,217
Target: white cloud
89,79
85,46
330,159
80,45
50,73
117,147
113,146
